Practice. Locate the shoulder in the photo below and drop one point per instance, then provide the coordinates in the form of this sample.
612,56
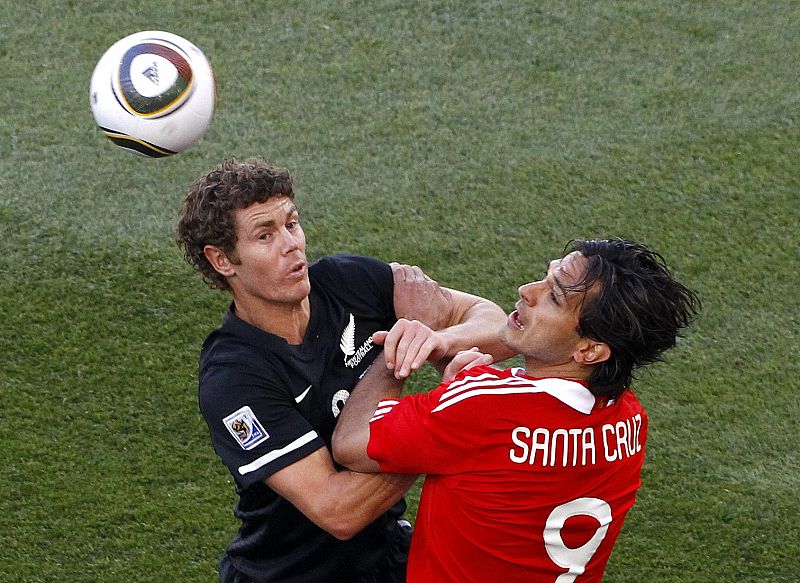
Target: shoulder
479,381
629,403
227,348
231,367
349,265
354,281
477,384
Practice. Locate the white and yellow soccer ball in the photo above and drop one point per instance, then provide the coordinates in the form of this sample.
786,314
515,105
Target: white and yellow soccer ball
153,93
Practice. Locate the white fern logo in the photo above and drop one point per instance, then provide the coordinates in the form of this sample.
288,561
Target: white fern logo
353,357
348,343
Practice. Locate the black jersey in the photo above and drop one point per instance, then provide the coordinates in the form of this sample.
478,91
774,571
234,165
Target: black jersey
268,404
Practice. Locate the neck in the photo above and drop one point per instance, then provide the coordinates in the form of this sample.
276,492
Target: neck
287,320
569,370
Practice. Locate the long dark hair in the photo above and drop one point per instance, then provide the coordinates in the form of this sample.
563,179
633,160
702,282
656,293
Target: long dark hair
633,304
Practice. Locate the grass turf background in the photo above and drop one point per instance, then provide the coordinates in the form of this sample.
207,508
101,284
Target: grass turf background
471,138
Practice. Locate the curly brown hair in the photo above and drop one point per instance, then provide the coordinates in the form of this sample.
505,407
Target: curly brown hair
208,213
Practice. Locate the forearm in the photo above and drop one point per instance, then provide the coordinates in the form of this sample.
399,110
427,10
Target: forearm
341,503
475,322
351,437
464,320
353,500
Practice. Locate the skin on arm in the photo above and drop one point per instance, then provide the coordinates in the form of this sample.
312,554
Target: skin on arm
341,503
351,436
461,321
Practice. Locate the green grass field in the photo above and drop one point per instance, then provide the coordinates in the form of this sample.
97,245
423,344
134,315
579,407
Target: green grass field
471,138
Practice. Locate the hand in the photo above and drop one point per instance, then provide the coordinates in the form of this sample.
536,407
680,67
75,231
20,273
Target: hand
408,345
418,297
463,360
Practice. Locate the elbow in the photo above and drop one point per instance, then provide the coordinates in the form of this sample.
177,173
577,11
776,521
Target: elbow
343,527
342,459
346,458
355,460
343,532
339,448
347,451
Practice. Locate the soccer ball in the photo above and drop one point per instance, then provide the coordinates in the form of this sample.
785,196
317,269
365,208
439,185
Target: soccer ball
153,93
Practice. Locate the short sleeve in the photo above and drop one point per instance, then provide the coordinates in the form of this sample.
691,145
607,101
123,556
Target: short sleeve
254,425
359,283
442,432
410,437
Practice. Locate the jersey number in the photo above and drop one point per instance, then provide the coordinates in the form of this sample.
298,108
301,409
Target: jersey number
575,560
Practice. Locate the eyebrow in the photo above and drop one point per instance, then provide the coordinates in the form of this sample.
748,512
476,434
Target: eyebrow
253,227
557,282
271,222
560,286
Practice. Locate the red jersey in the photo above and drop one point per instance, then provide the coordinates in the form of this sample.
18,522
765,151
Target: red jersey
527,479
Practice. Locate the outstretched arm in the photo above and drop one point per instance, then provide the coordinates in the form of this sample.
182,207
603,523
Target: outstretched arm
461,321
351,435
341,503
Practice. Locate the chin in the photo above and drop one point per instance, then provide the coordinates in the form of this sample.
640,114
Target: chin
508,342
303,289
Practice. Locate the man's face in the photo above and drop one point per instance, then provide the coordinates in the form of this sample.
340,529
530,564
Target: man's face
269,260
544,326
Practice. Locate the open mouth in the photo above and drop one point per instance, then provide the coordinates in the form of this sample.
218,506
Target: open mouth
298,270
514,321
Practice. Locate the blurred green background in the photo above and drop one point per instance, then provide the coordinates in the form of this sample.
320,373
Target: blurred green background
471,138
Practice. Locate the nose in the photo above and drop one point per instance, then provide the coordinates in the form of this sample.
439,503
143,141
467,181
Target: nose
290,240
528,293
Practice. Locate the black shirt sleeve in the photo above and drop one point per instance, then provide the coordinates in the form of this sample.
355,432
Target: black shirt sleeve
360,283
254,425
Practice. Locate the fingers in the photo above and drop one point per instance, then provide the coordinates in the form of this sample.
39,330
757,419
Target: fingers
418,297
403,273
408,345
464,360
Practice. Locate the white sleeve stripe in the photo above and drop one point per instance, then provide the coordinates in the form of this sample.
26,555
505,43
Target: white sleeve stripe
383,410
376,418
486,391
455,385
570,393
469,384
388,402
275,454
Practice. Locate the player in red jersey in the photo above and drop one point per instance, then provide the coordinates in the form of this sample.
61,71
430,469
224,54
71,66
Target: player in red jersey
530,472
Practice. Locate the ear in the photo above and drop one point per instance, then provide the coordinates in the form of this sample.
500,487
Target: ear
219,260
592,352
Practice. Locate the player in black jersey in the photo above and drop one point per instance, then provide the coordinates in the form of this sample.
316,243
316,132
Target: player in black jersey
275,375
